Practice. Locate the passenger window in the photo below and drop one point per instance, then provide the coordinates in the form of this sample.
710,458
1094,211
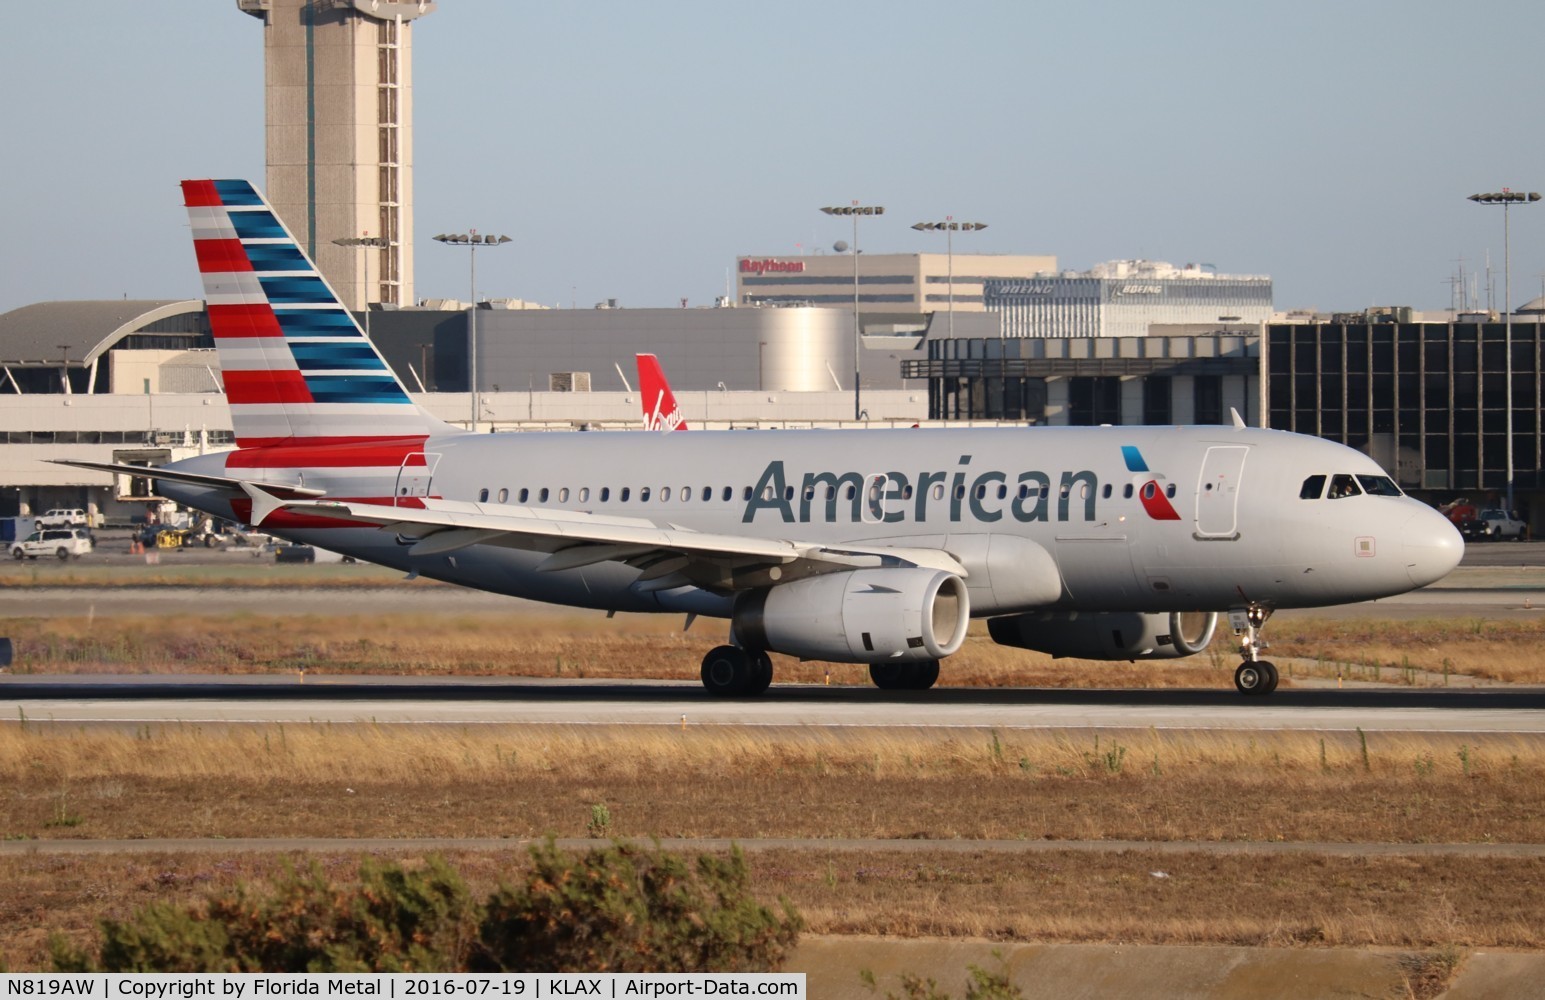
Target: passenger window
906,492
1312,489
1126,493
563,495
1169,491
788,493
747,491
643,494
584,494
1105,491
541,497
1003,491
851,491
960,492
1343,486
729,493
504,495
665,493
606,493
767,493
623,496
981,492
708,494
1379,486
482,495
525,494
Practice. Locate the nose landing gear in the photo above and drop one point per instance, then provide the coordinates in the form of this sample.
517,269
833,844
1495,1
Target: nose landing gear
1255,676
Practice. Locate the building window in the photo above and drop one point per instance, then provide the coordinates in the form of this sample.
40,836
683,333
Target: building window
1157,406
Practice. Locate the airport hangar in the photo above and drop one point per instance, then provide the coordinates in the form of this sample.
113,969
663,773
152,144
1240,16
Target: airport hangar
137,380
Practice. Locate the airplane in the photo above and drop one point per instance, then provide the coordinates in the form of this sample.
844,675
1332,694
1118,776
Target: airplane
872,547
660,410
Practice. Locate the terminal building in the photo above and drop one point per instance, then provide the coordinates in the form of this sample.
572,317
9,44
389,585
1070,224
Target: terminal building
1125,298
886,282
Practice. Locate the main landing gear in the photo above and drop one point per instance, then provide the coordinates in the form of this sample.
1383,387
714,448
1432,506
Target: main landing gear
914,676
732,672
1255,676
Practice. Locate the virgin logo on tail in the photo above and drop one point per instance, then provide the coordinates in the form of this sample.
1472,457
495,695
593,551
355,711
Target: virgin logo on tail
660,410
1149,486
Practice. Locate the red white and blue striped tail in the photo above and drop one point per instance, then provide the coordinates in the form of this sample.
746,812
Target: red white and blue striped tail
298,370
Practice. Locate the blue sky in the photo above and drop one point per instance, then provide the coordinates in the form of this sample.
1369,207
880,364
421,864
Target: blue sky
633,150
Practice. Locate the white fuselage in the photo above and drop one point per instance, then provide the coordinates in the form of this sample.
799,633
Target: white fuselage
1107,519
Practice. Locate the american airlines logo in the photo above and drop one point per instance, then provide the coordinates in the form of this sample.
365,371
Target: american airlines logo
750,266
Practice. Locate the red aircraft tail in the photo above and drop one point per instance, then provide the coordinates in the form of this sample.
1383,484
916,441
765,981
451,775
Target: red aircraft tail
660,410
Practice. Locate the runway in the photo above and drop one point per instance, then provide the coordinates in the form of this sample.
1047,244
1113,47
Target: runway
140,700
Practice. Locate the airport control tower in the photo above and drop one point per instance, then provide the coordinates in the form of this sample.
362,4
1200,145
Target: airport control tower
338,93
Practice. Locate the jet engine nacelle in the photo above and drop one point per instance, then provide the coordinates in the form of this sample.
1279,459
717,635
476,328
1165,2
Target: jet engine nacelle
1108,635
862,616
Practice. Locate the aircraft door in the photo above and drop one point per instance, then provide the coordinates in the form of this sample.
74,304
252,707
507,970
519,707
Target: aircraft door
415,476
1217,493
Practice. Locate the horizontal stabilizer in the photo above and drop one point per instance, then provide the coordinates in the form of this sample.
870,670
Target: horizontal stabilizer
294,491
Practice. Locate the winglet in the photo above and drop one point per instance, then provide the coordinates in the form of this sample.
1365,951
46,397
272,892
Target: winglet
264,503
1239,422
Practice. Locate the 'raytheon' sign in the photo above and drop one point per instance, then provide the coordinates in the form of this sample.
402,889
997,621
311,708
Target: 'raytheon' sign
750,265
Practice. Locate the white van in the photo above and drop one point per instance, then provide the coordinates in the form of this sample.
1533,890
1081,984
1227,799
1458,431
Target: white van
63,543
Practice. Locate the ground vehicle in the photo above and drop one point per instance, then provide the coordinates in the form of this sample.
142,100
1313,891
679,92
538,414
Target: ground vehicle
62,543
1494,525
63,517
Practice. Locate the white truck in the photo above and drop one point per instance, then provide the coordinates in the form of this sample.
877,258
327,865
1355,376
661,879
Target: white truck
64,517
62,543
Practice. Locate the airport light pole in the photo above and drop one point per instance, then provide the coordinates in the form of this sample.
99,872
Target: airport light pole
366,243
1507,198
471,240
950,227
855,210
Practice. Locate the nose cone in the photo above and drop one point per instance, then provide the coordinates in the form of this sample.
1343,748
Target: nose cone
1432,545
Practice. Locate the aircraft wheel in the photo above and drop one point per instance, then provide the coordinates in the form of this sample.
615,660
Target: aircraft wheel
925,675
761,673
727,671
904,676
1256,678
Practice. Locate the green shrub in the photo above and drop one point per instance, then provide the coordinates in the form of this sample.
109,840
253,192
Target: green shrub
621,908
627,909
391,921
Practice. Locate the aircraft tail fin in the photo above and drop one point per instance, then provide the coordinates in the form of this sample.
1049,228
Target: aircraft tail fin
298,369
660,410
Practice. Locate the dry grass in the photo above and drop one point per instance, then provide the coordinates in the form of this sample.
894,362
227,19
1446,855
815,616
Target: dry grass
580,644
529,781
1508,650
1286,900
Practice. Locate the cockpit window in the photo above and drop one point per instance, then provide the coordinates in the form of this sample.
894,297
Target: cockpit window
1312,489
1379,486
1343,486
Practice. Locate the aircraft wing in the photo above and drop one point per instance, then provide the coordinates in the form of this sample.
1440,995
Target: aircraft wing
670,556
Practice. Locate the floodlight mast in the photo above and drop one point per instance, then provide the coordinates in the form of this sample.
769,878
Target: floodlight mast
855,210
471,240
950,227
1507,198
366,243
